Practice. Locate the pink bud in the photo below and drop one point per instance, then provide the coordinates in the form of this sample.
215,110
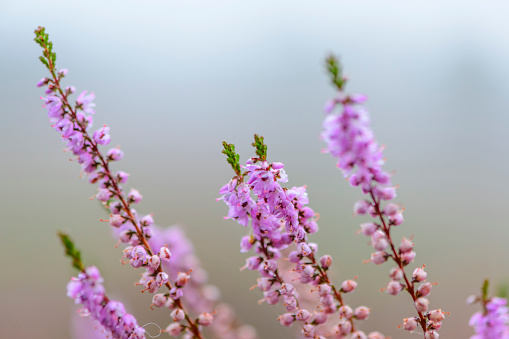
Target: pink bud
396,273
407,257
409,324
419,274
320,318
421,304
368,228
424,290
287,289
178,315
391,209
182,279
304,249
308,330
159,300
104,195
174,329
116,220
286,319
362,312
277,165
394,287
361,207
302,315
345,312
326,261
378,258
164,253
205,319
154,261
397,219
344,327
436,315
161,278
406,245
348,286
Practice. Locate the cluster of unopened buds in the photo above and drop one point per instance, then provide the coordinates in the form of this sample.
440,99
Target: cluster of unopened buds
280,223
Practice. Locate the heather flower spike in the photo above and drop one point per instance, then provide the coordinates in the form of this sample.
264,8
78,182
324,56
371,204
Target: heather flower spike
74,122
87,289
350,139
281,221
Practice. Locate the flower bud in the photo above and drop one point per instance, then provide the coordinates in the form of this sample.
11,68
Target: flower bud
436,315
368,228
308,330
326,261
345,312
286,319
302,315
424,290
406,245
164,253
409,324
361,312
174,329
154,261
421,304
407,257
396,273
391,209
287,289
182,279
419,275
304,249
205,319
394,287
116,220
348,286
161,278
378,258
361,207
177,315
159,300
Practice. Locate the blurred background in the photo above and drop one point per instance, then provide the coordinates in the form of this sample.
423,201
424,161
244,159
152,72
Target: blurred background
174,79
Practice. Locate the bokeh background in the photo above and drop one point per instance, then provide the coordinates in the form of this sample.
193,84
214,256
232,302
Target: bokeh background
175,78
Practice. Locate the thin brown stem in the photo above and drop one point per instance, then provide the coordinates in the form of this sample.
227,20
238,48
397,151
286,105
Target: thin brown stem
397,258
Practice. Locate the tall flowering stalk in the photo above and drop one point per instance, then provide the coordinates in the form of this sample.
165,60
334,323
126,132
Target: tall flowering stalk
73,122
350,139
280,217
87,290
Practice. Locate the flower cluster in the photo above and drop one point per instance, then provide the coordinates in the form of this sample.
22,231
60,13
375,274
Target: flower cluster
493,322
280,218
73,122
87,289
350,139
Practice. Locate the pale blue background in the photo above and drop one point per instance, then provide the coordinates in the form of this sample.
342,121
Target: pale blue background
175,78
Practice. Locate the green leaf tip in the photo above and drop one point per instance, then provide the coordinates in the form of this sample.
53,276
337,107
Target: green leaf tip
71,251
231,157
485,288
48,57
335,71
261,148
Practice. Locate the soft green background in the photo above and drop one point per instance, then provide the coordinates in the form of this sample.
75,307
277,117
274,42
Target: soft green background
175,78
